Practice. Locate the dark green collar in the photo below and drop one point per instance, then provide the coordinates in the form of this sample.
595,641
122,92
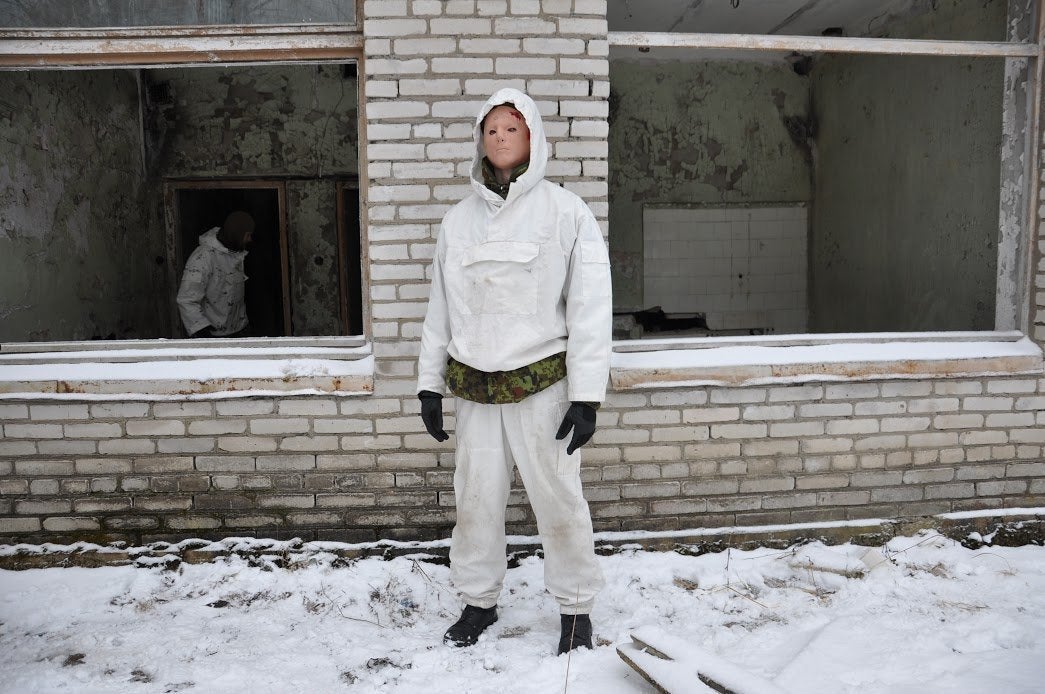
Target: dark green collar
490,177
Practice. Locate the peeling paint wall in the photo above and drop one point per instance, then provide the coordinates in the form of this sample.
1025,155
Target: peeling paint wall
78,257
714,132
905,222
294,122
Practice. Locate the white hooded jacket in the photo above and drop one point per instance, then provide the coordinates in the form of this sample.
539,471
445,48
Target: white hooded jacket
211,291
519,279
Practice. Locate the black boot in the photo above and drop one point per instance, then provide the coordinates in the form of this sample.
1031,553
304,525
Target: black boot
576,632
473,621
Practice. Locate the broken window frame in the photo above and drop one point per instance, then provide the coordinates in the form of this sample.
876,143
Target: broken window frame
172,46
1018,220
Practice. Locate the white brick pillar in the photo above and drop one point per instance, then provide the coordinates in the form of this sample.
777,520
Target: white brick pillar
428,67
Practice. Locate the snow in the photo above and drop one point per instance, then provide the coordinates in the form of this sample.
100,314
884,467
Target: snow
822,354
926,614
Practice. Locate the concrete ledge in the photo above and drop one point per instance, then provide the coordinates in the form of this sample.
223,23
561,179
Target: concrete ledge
186,369
1007,527
695,362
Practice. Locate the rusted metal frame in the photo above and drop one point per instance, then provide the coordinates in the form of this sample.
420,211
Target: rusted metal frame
96,33
822,44
176,50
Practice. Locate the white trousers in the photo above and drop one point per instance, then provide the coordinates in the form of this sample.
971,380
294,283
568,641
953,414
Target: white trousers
491,440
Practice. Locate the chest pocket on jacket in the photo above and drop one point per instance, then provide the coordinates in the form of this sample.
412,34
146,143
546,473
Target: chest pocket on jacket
495,278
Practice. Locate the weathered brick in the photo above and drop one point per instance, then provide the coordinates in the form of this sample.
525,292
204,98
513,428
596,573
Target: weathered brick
103,466
852,426
66,447
822,481
252,521
246,444
712,450
279,426
896,494
662,434
767,484
163,464
33,431
933,439
707,487
197,445
789,500
285,463
331,518
796,429
43,487
53,412
156,427
19,525
880,408
979,472
734,503
10,413
119,410
890,424
932,405
68,524
958,387
110,505
771,447
163,410
653,453
244,407
217,501
928,476
127,447
287,501
45,467
224,463
310,443
649,489
1001,487
831,445
843,498
738,431
950,491
958,421
768,412
711,414
214,427
192,522
163,503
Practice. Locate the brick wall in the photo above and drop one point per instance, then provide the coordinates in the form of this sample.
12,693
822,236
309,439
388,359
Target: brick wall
360,468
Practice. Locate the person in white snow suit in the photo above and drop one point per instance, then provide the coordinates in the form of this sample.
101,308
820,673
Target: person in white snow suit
518,328
210,298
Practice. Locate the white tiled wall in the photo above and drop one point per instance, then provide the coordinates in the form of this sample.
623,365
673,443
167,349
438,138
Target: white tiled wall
744,267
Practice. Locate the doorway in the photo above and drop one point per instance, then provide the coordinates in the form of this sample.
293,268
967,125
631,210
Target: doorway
199,206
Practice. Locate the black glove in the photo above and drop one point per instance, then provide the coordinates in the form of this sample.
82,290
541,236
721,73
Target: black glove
581,418
203,332
432,414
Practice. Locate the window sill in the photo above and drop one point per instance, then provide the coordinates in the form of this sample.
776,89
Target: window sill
751,361
187,369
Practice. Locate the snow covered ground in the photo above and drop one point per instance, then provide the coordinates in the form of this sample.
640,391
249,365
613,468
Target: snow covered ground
921,614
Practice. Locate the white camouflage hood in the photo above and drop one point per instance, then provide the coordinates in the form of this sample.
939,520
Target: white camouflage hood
538,145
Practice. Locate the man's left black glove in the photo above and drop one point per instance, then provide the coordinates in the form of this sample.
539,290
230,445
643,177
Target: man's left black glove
432,414
581,418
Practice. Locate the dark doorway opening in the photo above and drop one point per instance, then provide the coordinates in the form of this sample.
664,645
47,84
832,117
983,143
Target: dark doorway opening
199,207
350,259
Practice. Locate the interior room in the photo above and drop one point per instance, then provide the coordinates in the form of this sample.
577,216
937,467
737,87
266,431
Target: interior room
109,176
760,192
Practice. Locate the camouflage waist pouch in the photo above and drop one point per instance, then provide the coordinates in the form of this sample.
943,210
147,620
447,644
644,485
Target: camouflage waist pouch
504,387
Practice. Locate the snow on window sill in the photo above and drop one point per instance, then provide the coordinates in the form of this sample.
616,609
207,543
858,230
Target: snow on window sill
187,369
750,361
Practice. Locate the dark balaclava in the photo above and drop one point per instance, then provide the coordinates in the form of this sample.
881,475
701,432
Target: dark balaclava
235,229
